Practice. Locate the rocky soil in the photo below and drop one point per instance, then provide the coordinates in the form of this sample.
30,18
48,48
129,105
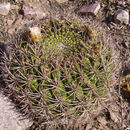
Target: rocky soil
108,14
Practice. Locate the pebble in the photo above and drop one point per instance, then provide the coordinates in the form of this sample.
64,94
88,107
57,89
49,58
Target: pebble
34,33
4,8
122,17
30,13
9,22
92,8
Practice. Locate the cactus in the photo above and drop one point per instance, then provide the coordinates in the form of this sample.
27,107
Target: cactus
62,76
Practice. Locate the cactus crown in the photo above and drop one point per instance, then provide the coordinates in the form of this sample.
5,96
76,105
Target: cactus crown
63,75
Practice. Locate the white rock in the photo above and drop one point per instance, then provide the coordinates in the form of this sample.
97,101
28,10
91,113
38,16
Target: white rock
122,17
34,33
4,8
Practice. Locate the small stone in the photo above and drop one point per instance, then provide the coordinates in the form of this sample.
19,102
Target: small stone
9,22
4,8
34,34
61,1
122,17
30,13
92,8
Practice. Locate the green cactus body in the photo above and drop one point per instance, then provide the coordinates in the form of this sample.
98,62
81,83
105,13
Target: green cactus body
64,72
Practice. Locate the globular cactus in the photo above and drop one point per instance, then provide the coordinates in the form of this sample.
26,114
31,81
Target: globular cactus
63,75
